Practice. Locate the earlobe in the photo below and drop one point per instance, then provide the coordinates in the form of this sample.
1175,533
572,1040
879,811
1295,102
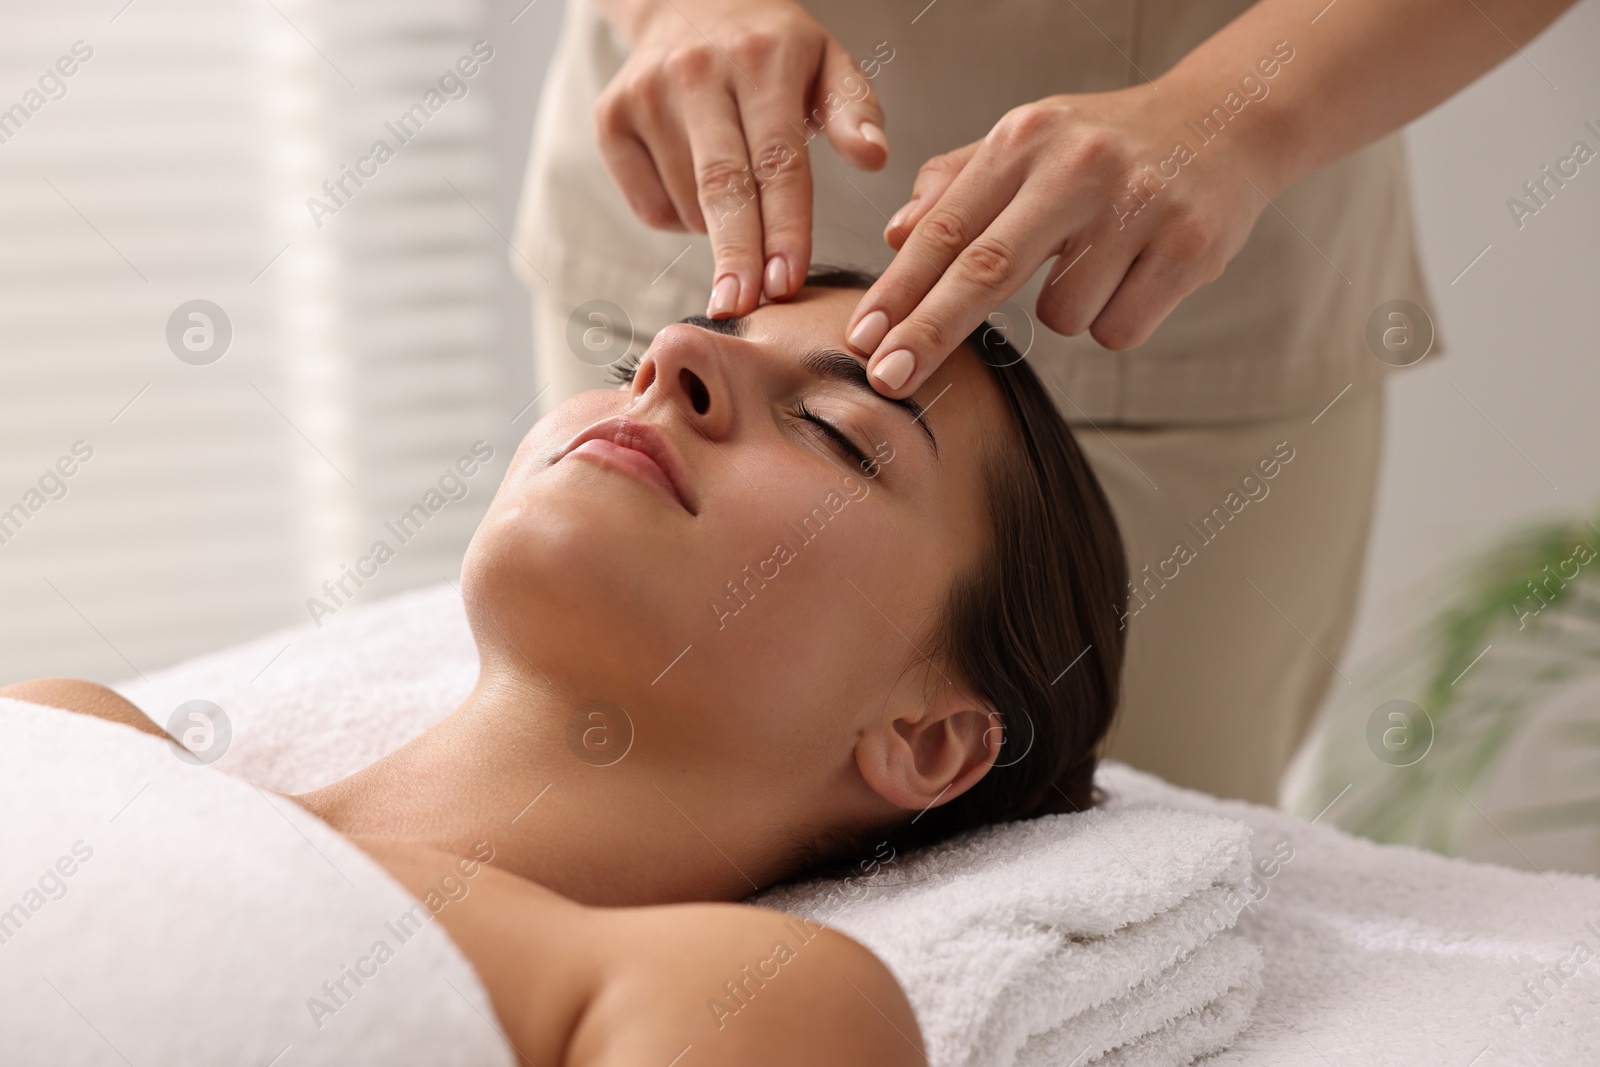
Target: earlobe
929,755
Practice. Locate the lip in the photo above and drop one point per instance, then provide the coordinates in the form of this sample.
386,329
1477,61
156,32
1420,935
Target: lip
621,441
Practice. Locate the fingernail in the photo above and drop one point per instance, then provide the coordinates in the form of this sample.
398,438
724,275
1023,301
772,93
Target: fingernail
872,133
897,220
869,331
724,295
893,369
777,277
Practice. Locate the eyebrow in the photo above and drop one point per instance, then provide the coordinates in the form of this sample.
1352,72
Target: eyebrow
829,364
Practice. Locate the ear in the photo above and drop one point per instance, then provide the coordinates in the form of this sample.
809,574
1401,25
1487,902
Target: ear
933,743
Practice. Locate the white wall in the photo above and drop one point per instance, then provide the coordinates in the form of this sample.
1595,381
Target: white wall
1523,324
368,353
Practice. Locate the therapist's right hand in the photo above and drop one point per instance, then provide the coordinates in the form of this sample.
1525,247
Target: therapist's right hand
705,128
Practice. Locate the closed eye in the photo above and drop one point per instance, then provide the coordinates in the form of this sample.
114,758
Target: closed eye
833,433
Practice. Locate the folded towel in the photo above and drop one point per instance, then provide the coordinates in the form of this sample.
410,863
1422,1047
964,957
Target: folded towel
1386,954
1045,927
1163,1021
1372,954
157,912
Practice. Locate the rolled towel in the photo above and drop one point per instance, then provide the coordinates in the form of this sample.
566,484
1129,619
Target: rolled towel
1019,930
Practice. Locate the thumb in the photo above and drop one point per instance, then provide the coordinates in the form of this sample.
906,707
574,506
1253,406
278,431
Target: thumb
848,109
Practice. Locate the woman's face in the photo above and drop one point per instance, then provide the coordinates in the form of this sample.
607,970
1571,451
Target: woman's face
763,614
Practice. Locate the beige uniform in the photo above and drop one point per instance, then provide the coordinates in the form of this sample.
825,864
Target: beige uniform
1234,635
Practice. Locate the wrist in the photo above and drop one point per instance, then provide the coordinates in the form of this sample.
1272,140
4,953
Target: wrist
1239,110
634,19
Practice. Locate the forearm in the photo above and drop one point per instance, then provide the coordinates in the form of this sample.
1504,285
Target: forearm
1362,70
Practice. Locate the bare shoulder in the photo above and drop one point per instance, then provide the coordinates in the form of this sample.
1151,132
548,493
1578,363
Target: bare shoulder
707,985
86,698
533,949
732,984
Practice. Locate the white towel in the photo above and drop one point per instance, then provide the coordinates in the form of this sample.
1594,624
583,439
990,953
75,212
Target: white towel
1171,1019
1046,926
157,912
1372,954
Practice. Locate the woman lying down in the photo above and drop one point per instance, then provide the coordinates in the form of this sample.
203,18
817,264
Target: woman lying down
831,619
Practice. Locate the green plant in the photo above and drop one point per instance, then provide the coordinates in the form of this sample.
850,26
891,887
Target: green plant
1508,628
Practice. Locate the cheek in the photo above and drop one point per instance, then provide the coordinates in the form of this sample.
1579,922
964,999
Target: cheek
794,607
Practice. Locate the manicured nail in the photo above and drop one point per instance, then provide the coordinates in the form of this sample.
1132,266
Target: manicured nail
777,277
869,331
724,295
893,370
872,133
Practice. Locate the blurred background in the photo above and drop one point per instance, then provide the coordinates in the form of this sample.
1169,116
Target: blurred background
348,357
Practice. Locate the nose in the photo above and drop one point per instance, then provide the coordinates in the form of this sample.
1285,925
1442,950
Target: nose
688,366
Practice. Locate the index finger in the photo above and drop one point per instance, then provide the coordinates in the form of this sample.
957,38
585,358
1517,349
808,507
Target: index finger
990,269
954,251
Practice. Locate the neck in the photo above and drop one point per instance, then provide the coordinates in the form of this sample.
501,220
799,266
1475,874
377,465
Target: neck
501,771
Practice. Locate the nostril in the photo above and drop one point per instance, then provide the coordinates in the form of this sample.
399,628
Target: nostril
699,395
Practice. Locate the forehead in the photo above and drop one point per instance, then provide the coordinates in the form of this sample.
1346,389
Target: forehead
960,398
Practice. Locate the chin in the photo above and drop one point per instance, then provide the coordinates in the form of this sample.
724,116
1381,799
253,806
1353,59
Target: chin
574,572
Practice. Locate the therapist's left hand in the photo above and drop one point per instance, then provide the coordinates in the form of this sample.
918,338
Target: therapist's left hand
1053,179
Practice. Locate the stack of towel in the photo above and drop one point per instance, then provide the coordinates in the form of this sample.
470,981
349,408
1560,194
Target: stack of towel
1101,937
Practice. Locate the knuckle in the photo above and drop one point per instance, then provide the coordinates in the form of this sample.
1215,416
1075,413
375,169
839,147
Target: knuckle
1021,125
987,262
1097,150
931,334
689,65
1187,240
776,160
658,214
719,177
1114,334
943,229
1065,320
937,166
753,45
607,114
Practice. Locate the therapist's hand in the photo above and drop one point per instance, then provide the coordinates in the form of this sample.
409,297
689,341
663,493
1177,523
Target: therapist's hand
1053,179
705,128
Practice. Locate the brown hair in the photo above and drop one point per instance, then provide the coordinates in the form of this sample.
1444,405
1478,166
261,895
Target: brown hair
1034,629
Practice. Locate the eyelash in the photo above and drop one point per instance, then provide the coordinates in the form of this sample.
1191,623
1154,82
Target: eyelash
623,370
833,433
622,373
